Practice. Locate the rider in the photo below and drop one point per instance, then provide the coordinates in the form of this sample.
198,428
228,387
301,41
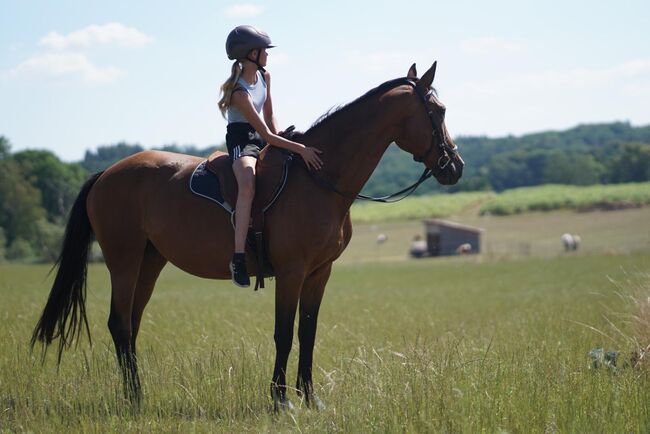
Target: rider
246,103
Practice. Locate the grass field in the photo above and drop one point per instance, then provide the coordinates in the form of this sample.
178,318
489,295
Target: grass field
418,207
551,197
515,201
494,343
532,234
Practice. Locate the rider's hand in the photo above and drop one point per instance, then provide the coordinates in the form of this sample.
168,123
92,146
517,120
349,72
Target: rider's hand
311,158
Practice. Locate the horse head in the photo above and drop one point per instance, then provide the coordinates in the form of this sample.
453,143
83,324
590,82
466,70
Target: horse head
424,134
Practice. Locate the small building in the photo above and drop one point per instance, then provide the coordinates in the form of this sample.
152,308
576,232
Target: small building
445,238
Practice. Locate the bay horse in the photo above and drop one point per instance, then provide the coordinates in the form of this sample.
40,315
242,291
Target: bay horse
142,214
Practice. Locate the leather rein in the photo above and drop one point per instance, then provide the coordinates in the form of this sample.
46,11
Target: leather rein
447,153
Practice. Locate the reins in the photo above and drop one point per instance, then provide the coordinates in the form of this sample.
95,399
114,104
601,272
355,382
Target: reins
426,174
443,161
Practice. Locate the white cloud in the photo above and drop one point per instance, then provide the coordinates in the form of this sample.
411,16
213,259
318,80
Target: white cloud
111,33
243,10
635,73
490,45
59,65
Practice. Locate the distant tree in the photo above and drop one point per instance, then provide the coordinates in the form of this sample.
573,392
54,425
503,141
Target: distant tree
597,144
48,240
58,182
517,169
5,147
575,169
631,164
20,203
108,155
20,249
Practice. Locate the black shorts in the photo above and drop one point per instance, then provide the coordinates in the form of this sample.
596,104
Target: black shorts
243,141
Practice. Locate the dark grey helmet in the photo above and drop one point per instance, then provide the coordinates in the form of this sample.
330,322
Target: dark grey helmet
243,39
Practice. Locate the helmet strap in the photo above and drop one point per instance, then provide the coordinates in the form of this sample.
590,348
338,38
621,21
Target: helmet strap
257,61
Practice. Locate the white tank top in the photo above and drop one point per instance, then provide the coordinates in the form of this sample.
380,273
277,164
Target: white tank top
256,91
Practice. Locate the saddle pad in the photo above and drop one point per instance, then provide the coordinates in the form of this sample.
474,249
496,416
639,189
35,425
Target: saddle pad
206,184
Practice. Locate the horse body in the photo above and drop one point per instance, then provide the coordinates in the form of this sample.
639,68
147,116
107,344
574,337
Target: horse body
200,241
143,215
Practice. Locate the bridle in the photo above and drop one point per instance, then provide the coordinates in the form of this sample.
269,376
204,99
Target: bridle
448,152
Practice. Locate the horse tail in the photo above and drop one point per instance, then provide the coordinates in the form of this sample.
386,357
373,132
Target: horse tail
64,315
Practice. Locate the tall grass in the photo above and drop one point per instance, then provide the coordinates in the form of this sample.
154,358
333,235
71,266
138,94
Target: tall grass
451,345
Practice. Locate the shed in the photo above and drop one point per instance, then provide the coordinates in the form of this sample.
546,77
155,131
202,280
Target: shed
445,237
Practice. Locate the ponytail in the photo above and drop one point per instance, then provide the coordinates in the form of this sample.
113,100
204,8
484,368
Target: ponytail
228,86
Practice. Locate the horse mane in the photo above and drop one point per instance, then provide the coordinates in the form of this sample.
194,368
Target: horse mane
337,111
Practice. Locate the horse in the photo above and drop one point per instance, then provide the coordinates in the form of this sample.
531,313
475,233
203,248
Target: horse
142,214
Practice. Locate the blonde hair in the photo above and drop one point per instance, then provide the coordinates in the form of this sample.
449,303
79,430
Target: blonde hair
228,86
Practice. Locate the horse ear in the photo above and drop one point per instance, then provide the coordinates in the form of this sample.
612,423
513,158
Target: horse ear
428,76
413,73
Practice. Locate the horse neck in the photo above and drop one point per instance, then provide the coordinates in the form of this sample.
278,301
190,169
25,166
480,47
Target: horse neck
353,142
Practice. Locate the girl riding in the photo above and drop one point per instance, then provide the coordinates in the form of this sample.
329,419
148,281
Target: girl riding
246,104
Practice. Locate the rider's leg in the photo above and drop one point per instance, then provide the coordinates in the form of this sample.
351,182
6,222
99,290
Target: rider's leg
244,168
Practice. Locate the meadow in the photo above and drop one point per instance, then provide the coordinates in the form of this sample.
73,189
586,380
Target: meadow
494,343
513,201
552,197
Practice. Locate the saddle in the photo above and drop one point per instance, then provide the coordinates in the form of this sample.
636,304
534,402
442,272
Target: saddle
214,179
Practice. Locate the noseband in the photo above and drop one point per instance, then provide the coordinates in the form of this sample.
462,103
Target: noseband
445,149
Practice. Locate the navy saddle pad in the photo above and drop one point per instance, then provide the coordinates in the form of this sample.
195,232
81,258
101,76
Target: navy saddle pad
206,184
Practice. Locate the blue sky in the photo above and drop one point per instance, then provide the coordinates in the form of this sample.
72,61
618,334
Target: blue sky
78,74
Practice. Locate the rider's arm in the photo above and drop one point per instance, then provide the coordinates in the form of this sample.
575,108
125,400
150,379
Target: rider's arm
242,101
268,106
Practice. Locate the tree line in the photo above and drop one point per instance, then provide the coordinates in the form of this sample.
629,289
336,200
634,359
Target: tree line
585,155
37,189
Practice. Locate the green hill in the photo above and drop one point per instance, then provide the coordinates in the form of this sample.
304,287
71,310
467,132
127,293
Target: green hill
584,155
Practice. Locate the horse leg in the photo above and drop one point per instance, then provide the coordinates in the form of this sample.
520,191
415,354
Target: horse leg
124,266
287,292
310,299
152,264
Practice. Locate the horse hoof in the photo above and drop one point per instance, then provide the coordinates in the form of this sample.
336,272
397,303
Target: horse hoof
283,405
316,403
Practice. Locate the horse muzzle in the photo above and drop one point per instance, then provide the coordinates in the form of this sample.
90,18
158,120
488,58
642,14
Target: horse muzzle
452,172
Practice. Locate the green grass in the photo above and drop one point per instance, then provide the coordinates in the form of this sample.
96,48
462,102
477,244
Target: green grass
451,345
552,197
530,234
417,207
515,201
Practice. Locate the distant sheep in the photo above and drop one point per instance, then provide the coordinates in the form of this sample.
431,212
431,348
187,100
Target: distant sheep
570,242
464,249
381,238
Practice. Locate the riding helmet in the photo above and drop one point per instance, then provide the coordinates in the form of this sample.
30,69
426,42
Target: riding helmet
245,38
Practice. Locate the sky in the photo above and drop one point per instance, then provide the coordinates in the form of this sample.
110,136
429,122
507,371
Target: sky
77,74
